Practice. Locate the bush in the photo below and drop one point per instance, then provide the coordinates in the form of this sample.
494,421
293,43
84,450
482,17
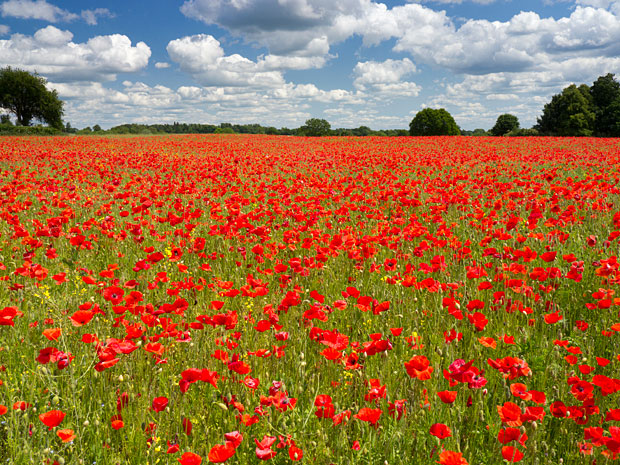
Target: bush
10,130
523,132
430,122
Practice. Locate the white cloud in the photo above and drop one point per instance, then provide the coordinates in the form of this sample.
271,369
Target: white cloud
521,44
285,27
136,102
92,16
4,29
35,9
41,10
204,59
524,43
51,53
388,71
386,77
458,2
162,65
613,5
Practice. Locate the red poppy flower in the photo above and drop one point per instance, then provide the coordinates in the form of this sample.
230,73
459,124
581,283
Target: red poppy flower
371,415
21,405
113,294
66,435
52,333
512,454
117,422
419,367
447,397
52,418
159,404
189,458
441,431
448,457
81,317
520,390
234,438
220,453
187,426
295,453
510,413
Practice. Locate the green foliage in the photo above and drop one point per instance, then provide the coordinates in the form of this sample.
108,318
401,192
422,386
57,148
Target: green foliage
11,130
226,130
523,132
26,96
430,122
605,92
316,127
584,110
505,123
570,113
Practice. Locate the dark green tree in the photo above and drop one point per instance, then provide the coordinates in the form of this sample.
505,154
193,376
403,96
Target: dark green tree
316,127
504,124
26,96
605,92
570,113
430,122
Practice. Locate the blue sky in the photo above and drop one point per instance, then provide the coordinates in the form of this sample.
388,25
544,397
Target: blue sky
280,62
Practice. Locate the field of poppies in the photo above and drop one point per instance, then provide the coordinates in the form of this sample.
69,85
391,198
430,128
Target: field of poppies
239,299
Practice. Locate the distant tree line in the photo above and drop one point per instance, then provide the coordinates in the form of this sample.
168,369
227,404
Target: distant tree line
577,111
314,127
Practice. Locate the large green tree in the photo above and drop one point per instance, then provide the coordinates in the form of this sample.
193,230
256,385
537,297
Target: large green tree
570,113
26,96
316,127
504,124
431,122
605,92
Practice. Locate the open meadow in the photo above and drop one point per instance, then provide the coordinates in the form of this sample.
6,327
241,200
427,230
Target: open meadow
240,299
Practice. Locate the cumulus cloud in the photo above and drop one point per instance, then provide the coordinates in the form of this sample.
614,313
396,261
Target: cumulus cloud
458,2
613,5
92,16
136,102
386,78
162,65
52,53
36,9
520,44
204,59
526,42
41,10
284,26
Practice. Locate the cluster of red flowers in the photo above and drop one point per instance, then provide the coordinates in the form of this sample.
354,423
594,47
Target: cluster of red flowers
382,284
